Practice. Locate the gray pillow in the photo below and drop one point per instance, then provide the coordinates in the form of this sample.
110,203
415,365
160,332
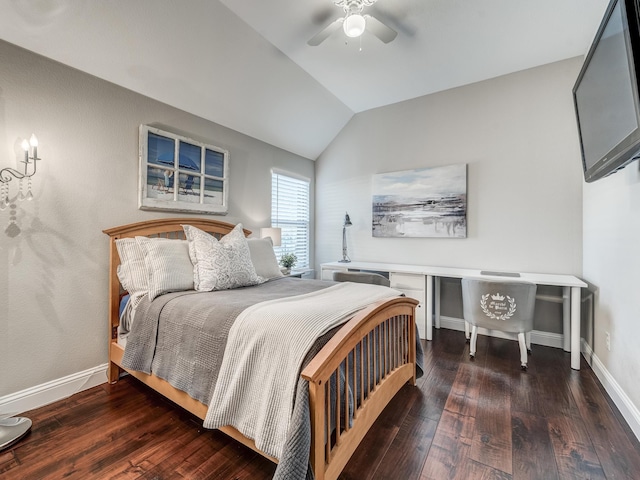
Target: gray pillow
132,271
264,258
169,268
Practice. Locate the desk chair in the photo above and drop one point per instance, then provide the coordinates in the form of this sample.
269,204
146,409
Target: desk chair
361,277
499,305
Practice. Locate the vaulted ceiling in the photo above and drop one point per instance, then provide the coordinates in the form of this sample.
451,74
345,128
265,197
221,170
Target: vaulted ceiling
246,64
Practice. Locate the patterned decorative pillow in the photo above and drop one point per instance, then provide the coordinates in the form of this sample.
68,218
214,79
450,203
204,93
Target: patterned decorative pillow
220,265
169,267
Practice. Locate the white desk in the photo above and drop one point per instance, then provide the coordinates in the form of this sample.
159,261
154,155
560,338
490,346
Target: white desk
571,292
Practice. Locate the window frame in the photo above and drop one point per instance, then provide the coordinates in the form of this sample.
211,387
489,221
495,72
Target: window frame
279,219
156,194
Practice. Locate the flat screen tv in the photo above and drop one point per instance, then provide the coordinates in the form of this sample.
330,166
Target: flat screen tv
605,94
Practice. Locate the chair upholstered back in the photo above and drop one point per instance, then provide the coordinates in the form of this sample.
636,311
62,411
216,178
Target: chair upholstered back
361,277
499,305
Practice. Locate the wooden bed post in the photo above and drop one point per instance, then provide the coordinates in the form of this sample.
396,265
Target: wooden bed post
412,346
316,407
113,372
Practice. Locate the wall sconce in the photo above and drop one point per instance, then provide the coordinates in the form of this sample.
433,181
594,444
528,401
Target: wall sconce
347,223
274,232
7,174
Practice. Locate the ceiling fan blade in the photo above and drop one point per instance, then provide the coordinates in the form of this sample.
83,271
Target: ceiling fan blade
379,29
325,33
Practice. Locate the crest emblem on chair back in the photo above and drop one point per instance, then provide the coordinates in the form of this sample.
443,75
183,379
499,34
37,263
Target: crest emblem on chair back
497,306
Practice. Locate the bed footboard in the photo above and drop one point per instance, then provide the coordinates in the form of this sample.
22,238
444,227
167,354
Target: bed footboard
372,356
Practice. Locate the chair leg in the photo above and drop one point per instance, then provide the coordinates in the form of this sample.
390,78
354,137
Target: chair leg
474,338
528,337
523,351
466,330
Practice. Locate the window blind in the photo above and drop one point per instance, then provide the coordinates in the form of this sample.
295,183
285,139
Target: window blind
290,212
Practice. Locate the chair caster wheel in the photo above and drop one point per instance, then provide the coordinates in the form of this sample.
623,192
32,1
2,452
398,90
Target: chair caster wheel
523,368
472,357
529,352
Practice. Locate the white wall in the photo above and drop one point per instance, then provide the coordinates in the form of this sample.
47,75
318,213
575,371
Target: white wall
528,204
518,136
53,275
612,263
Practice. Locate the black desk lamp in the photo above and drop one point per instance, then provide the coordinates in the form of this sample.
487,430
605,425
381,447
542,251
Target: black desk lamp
347,223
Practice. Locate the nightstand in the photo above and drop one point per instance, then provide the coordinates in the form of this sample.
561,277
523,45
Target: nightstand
300,273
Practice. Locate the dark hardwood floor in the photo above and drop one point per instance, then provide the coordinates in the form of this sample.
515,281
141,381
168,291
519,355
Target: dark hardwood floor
484,419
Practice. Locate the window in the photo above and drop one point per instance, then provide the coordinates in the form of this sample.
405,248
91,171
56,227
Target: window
290,212
178,173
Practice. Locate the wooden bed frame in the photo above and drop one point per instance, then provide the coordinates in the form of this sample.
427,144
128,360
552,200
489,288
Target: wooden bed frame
394,319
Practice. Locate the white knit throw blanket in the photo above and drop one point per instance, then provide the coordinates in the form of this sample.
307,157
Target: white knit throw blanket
265,350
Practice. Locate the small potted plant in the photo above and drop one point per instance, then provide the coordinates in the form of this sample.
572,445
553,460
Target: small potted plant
288,261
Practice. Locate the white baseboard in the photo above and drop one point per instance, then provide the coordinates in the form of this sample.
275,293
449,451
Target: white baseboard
547,339
628,410
52,391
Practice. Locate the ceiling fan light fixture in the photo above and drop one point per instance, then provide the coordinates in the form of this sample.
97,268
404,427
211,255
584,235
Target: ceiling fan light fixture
354,25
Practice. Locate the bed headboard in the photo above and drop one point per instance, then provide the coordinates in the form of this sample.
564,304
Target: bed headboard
161,227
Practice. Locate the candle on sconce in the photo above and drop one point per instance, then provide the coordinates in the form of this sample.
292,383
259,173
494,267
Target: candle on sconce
25,147
34,143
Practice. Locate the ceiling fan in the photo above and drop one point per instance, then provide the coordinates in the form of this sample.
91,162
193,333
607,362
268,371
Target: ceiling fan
354,23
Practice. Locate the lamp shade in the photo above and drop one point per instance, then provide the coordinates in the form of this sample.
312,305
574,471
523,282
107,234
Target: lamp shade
354,25
274,232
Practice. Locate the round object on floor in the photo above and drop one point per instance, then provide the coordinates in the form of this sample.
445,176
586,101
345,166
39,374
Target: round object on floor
13,429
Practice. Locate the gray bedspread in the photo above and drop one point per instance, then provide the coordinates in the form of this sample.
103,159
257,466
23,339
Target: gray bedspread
181,338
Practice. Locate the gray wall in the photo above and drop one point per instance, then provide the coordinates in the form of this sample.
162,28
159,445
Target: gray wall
53,276
612,265
517,133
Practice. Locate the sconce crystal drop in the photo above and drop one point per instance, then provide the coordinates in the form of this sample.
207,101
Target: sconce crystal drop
29,195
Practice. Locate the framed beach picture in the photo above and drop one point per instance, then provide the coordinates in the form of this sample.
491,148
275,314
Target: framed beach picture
181,174
425,202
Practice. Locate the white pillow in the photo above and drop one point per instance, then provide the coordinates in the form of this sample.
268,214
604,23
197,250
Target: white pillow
169,267
264,258
220,265
132,271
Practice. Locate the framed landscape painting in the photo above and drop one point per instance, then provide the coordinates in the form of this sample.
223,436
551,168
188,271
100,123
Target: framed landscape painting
181,174
425,202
